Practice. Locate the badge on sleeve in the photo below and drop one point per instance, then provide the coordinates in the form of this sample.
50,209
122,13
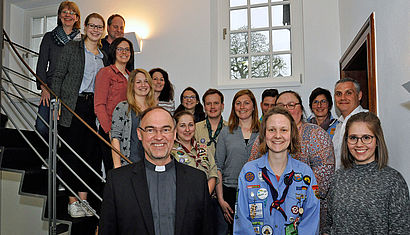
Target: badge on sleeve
316,191
306,179
249,176
267,229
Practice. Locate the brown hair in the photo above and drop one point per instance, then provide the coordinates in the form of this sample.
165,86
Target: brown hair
97,16
178,115
233,122
373,123
73,7
294,145
149,99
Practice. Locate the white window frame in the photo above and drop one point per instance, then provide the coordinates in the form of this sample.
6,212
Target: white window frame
223,77
29,15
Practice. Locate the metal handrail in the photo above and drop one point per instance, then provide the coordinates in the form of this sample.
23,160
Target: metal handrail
21,87
20,74
6,39
64,104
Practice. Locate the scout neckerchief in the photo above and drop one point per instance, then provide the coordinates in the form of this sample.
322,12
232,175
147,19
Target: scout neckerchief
212,139
197,158
276,203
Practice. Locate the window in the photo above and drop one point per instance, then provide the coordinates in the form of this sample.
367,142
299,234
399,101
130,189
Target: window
39,27
261,43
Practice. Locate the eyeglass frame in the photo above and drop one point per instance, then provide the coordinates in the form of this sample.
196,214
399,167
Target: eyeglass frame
123,49
153,130
349,139
95,26
290,106
321,102
69,12
186,97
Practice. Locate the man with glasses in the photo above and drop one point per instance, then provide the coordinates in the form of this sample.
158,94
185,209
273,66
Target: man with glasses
115,29
347,99
156,195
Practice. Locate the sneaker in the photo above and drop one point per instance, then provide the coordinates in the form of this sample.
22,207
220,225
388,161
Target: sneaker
75,210
88,212
60,187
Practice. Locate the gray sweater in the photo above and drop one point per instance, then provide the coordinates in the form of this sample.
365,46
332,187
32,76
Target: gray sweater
366,200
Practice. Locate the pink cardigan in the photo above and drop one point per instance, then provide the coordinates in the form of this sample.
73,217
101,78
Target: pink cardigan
110,89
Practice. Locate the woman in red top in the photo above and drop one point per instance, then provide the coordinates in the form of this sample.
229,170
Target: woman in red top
110,89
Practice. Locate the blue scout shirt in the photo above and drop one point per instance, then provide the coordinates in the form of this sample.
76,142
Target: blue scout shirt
301,207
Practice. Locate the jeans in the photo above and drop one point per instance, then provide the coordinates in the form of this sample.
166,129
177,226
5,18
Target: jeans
42,128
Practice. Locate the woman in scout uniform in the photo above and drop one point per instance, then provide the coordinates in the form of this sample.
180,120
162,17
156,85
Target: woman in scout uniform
366,196
187,151
276,193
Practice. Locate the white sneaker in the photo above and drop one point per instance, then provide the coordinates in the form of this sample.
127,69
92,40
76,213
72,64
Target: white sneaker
88,212
75,210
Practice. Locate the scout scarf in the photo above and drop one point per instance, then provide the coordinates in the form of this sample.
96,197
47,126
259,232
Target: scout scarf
199,153
61,38
276,203
212,139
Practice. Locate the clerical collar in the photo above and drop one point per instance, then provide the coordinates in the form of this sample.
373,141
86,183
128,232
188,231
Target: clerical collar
159,169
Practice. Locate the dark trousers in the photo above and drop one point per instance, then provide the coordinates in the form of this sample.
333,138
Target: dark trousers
105,151
230,198
84,142
221,227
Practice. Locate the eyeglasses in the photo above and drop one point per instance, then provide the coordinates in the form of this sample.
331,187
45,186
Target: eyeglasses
69,12
189,97
96,26
121,49
290,106
321,102
153,130
366,139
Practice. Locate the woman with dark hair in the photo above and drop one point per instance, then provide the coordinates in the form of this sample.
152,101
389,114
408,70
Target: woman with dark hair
68,28
234,147
366,196
110,89
190,102
316,147
73,83
276,193
188,151
320,103
126,117
163,88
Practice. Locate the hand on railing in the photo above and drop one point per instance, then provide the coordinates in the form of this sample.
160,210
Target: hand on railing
45,96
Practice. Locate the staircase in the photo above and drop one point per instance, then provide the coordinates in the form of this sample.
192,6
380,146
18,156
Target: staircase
17,156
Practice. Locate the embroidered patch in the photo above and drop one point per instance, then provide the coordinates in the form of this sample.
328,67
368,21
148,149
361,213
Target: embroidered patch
249,176
202,140
256,210
267,230
180,153
316,191
253,186
295,210
297,177
306,179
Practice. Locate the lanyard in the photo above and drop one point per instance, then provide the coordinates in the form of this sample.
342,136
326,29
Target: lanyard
276,203
212,139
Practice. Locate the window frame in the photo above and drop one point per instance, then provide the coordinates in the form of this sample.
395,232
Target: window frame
223,76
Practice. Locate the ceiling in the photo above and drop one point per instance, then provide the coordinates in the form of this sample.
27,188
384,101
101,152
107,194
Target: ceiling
29,4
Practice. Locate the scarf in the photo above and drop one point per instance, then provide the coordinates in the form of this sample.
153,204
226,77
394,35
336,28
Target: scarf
61,38
212,139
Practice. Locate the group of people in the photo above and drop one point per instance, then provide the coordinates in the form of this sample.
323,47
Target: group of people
194,172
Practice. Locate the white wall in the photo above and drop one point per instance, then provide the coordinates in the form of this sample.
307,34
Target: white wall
393,59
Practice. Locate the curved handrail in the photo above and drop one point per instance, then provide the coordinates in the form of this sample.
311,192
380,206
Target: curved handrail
64,104
20,46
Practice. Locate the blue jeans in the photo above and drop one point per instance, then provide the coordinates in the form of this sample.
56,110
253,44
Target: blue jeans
44,112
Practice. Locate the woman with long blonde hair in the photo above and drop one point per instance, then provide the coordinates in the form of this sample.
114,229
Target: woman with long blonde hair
126,117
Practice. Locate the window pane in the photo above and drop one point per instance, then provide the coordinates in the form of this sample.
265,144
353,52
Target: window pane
259,17
235,3
258,1
35,45
239,43
281,65
38,24
260,66
260,41
281,40
51,22
239,67
281,15
239,19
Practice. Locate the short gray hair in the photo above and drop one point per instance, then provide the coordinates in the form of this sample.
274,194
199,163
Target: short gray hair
347,79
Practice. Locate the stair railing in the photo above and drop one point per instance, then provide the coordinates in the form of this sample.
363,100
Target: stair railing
52,130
